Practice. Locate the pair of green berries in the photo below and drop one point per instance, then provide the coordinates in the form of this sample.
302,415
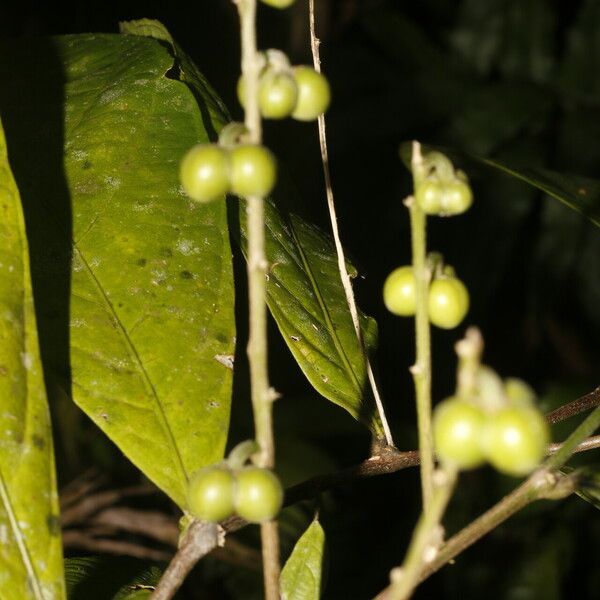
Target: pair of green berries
448,299
216,493
209,171
444,198
512,438
283,91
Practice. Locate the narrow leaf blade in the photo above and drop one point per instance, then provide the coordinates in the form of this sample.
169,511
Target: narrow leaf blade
30,545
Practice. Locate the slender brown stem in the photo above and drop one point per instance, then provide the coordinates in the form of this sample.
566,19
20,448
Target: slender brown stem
345,277
576,407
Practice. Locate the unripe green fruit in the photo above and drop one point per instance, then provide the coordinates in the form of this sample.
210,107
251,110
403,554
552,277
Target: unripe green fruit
399,292
204,172
277,94
258,495
457,428
519,392
515,439
428,196
279,3
314,94
448,302
211,493
456,198
253,171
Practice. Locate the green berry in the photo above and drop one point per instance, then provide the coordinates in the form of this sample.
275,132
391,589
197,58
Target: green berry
259,495
428,196
279,3
456,198
211,493
277,94
457,427
314,94
399,292
518,392
515,439
204,172
253,170
448,302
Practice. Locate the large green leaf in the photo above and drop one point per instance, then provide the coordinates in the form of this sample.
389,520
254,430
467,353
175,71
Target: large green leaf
305,293
150,321
301,575
30,545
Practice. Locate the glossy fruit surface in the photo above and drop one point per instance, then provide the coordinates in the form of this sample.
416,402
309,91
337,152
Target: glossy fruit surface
259,495
277,95
448,302
314,94
428,195
253,170
515,439
456,197
204,172
279,3
399,292
211,493
457,428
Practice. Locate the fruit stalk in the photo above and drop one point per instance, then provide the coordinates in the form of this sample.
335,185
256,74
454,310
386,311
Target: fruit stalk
421,370
261,393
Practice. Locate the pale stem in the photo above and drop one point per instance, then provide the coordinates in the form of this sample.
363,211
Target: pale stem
345,277
421,370
426,540
261,393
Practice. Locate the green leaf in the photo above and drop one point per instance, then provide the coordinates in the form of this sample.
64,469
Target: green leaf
30,544
578,193
301,575
304,291
307,300
104,577
150,321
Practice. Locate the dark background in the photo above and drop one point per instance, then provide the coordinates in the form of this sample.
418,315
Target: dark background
517,80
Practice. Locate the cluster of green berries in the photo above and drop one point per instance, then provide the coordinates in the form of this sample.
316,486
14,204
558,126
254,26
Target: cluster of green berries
218,492
284,91
443,191
209,171
448,297
512,435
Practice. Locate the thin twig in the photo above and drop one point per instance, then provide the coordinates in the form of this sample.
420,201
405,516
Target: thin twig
200,539
421,370
427,538
545,482
346,281
576,407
